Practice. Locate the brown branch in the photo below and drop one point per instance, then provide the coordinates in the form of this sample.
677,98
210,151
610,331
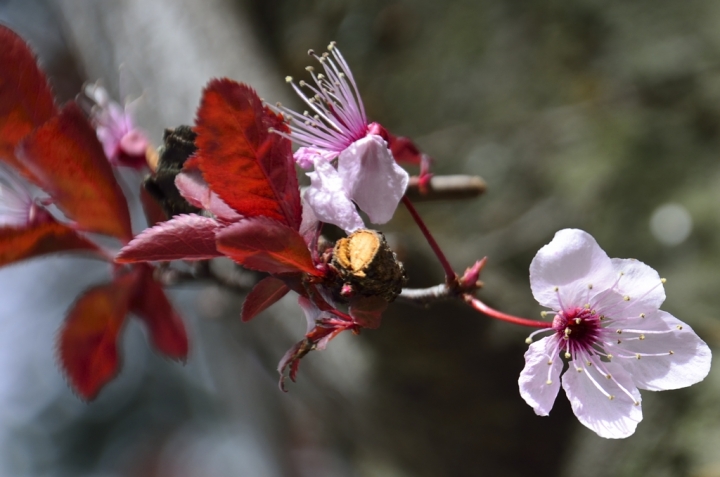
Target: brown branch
199,271
454,187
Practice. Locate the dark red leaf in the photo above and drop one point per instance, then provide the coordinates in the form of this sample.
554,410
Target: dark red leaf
88,350
26,101
41,239
264,294
67,161
251,169
195,190
266,245
153,212
150,304
184,237
367,311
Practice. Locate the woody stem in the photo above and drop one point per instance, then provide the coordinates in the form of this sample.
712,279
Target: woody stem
499,315
449,272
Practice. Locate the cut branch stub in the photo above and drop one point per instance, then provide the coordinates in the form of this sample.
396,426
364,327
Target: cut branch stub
366,266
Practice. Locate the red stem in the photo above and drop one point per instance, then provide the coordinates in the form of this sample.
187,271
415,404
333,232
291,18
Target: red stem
449,272
499,315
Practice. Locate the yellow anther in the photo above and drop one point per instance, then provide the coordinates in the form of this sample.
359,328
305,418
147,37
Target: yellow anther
608,376
309,68
636,403
579,370
637,355
610,357
544,314
642,315
567,331
288,79
663,280
321,76
611,397
619,332
567,355
578,320
679,327
626,298
586,306
589,286
548,382
619,341
556,289
332,45
671,352
528,340
550,362
642,337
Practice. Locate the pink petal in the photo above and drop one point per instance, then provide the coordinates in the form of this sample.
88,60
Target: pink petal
329,200
571,262
372,177
306,157
134,143
542,365
109,140
641,284
610,418
689,363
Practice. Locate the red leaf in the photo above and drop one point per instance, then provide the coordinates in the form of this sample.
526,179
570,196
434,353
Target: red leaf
184,237
195,190
153,212
26,101
46,237
88,348
251,169
367,311
150,304
263,295
266,245
67,161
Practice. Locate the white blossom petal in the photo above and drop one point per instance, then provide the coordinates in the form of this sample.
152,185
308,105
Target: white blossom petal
575,264
540,378
372,177
610,418
672,356
639,285
328,197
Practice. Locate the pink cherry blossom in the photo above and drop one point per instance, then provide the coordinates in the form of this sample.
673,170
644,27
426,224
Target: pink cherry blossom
365,173
608,325
124,144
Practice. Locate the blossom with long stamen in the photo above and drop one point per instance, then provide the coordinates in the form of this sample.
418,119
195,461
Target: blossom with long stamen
123,142
366,173
608,325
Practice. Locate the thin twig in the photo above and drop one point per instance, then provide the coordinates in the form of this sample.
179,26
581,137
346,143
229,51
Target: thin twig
454,187
426,296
